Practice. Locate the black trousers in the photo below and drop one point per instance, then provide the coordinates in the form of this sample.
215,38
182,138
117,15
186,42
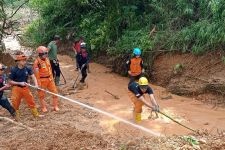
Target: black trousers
83,73
5,104
55,68
77,65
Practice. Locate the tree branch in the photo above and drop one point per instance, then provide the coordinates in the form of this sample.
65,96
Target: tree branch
18,9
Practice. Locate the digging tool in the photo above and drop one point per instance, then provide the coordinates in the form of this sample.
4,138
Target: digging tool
77,77
63,77
116,97
76,80
177,122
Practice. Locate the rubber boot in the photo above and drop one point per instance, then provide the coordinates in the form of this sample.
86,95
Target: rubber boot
17,115
12,112
55,105
43,106
137,117
57,79
34,112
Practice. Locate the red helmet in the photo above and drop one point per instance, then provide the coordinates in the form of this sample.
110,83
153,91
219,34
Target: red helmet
21,57
42,49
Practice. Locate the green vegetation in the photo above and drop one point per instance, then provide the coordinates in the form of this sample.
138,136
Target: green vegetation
178,68
9,15
117,26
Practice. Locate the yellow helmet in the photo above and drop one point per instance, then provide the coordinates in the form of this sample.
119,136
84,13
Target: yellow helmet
143,81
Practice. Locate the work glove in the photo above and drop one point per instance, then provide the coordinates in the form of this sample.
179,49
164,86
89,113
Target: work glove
156,108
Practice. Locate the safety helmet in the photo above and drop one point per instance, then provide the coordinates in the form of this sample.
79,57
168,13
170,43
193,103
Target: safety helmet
143,81
21,57
57,37
82,45
137,51
42,49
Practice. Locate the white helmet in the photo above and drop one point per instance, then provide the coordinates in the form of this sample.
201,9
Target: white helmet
82,45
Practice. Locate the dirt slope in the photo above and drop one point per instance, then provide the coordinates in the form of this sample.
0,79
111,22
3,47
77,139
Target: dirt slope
201,77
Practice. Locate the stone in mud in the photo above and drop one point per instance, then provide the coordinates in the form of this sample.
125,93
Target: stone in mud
202,141
131,143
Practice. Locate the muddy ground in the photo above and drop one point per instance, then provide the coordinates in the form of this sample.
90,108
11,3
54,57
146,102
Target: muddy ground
75,127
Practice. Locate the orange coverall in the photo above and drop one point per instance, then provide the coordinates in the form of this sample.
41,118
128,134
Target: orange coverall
43,73
23,92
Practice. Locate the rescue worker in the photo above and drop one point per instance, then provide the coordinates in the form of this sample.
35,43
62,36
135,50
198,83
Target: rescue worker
76,49
52,55
135,66
83,60
43,73
136,92
4,102
18,78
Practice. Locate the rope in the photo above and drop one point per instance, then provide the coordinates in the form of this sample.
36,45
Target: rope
177,122
100,111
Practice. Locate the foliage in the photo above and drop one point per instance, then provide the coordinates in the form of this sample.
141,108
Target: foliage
178,68
116,26
8,11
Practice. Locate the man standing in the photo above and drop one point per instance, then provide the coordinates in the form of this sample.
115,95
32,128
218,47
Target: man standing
137,93
76,49
83,60
135,66
4,102
43,73
18,78
52,54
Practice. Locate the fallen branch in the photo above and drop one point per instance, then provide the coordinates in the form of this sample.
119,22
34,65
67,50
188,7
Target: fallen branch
15,123
115,96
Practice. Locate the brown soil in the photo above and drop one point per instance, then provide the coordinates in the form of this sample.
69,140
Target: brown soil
201,77
6,59
74,127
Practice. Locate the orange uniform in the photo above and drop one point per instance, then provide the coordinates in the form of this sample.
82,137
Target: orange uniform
22,92
137,103
43,73
19,92
135,68
136,65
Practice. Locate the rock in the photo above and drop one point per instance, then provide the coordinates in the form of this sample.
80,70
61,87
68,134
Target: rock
197,147
206,123
202,141
94,147
131,143
187,147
